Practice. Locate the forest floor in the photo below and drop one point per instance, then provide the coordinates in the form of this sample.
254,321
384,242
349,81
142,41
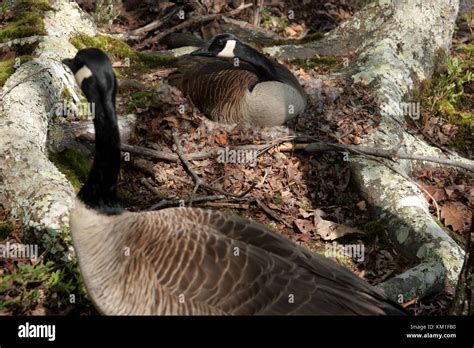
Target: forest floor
305,196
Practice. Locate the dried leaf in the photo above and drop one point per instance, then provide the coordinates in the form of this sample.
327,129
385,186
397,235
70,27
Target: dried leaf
303,226
456,215
221,139
329,230
362,205
305,214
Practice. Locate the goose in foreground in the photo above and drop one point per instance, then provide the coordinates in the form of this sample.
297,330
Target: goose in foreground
189,261
250,88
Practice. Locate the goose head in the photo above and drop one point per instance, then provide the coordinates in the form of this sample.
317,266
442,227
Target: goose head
93,72
221,45
229,46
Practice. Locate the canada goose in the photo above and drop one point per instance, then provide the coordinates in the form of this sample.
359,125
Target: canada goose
248,89
182,261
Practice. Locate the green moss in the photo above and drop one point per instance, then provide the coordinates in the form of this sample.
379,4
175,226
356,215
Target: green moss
39,5
126,198
375,230
276,23
115,48
140,100
135,62
153,62
311,37
23,25
464,137
277,198
373,227
467,48
4,7
346,198
5,229
306,205
445,107
27,18
446,98
66,94
6,67
6,70
311,63
74,165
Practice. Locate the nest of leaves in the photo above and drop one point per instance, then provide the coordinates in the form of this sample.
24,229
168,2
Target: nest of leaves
305,196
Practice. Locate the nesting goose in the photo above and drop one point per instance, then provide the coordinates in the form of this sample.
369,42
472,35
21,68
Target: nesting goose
185,261
250,88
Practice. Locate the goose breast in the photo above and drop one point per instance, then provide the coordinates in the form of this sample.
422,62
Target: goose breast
273,103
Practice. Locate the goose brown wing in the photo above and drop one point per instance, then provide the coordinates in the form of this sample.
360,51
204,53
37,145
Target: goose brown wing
215,85
230,265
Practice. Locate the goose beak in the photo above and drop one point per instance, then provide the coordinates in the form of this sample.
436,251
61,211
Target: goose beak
202,52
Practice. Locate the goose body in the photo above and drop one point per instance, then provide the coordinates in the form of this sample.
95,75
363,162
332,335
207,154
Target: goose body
233,83
188,261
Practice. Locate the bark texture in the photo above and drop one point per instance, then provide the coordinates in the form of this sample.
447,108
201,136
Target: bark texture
398,44
31,187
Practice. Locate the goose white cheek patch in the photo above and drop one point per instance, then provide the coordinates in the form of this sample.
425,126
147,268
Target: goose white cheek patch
228,51
82,74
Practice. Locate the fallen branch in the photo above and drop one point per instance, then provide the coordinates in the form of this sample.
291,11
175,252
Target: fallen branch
143,165
250,33
243,206
190,22
137,33
180,202
392,154
137,150
150,187
358,149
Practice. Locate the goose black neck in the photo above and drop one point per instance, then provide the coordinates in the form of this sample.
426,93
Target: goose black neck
100,190
264,66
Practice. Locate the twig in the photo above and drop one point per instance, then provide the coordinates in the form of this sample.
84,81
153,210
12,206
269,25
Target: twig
235,195
271,213
153,25
390,154
192,21
149,187
197,180
243,206
179,151
180,202
219,179
256,12
266,147
410,303
143,165
137,150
